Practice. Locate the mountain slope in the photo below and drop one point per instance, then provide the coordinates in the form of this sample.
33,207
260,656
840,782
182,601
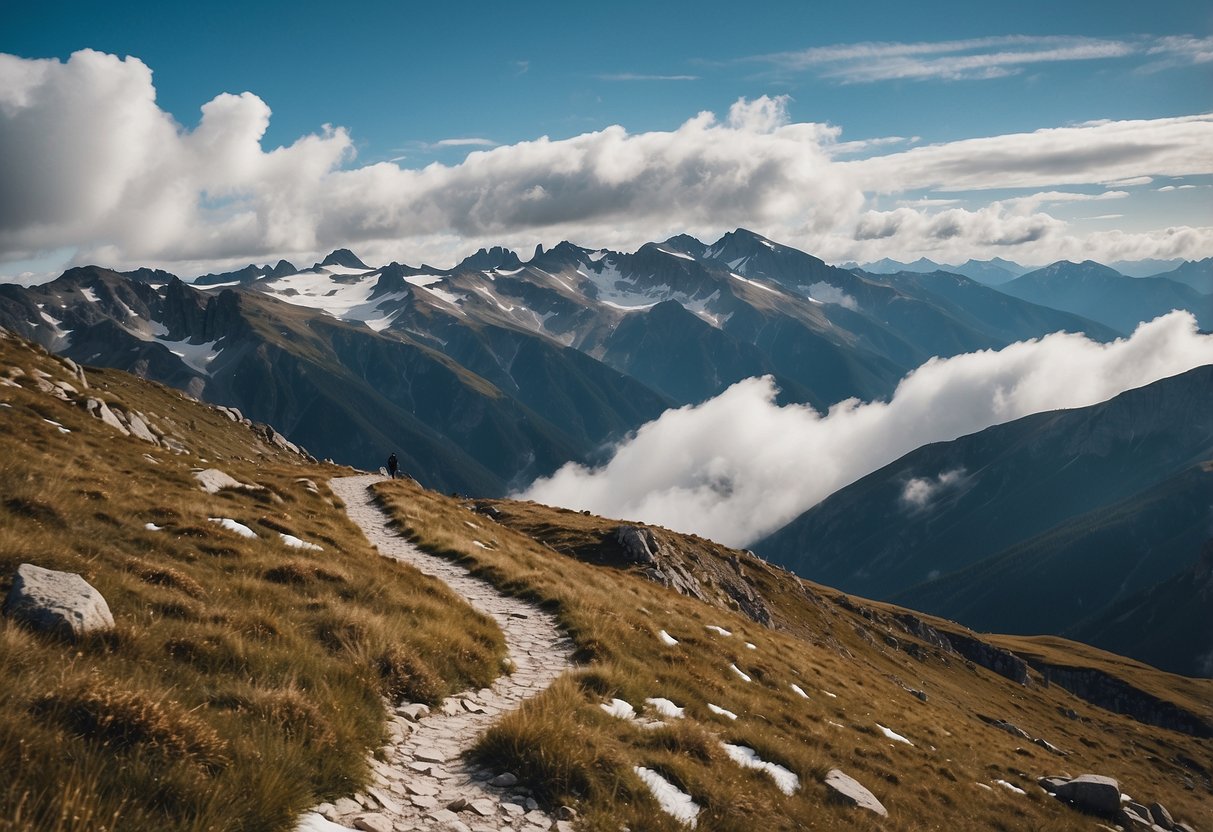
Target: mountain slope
232,650
1197,274
1167,624
1103,294
1104,498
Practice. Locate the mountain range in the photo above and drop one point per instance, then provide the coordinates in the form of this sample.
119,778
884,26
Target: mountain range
496,371
489,374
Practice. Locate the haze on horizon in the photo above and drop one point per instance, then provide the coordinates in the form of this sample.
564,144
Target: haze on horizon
1033,134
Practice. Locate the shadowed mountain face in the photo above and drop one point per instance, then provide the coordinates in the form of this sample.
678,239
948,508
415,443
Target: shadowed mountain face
484,376
1105,295
1167,625
1031,526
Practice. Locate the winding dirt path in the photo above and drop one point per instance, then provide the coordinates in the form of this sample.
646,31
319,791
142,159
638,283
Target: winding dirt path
425,785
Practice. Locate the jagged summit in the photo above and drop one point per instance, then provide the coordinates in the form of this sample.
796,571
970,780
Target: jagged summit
343,257
496,257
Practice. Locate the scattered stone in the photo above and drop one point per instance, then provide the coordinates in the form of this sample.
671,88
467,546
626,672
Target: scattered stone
849,790
59,602
373,823
384,800
458,804
1051,784
413,712
100,410
347,806
504,780
1161,816
213,481
483,807
566,813
1091,793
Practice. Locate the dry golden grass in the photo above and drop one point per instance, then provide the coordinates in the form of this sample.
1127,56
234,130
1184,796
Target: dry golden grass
244,680
568,750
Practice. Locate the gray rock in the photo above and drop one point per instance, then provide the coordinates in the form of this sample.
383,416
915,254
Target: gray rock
849,790
504,780
100,410
373,823
139,429
61,602
347,806
639,545
1130,817
1052,784
1092,793
413,712
213,481
1161,816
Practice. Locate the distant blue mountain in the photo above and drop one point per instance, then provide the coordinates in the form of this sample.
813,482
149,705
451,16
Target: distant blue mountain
1103,294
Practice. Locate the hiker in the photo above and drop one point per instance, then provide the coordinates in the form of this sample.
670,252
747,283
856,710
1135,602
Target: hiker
392,466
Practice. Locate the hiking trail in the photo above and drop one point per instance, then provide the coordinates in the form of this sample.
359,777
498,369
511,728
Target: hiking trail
425,784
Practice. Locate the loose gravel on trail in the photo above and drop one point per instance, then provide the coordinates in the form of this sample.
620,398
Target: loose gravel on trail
425,784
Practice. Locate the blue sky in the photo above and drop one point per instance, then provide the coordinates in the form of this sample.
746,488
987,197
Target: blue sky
416,83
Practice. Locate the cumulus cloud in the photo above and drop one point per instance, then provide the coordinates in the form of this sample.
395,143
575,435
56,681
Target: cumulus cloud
919,493
92,163
739,466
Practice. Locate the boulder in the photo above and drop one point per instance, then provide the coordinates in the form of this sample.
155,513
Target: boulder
639,545
1161,816
849,790
139,429
100,410
61,602
1092,793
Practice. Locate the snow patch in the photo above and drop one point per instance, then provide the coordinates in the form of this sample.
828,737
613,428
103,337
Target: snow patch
746,757
799,691
195,356
296,543
719,630
666,708
58,426
619,708
739,672
1009,786
719,711
667,639
672,800
893,735
232,526
152,527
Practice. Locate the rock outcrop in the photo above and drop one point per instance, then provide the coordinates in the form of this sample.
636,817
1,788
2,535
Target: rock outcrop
57,602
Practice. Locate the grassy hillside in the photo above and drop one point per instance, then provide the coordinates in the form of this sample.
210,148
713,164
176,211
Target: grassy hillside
857,662
245,679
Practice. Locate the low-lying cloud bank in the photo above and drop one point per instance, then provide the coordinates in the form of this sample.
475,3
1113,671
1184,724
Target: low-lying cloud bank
739,466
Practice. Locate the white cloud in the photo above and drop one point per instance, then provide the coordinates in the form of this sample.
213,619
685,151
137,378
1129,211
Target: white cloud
1096,152
468,142
94,164
827,293
634,76
972,59
739,466
920,492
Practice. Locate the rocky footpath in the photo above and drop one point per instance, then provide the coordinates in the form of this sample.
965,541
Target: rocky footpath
424,783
